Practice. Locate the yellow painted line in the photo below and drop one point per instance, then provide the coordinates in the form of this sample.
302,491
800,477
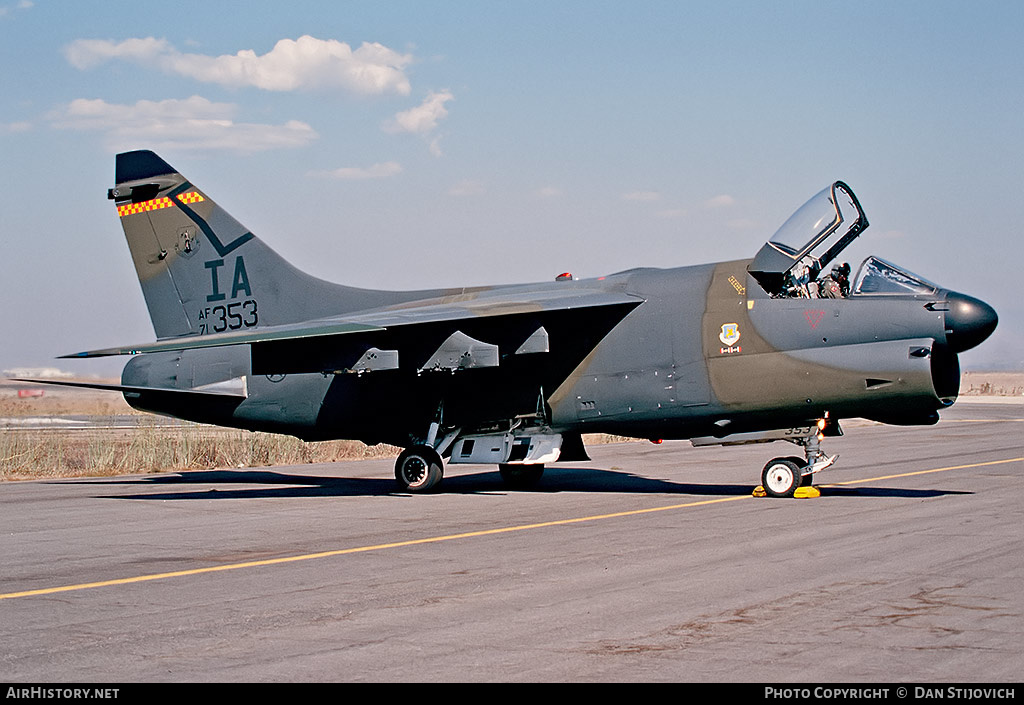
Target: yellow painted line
359,549
948,421
925,472
449,537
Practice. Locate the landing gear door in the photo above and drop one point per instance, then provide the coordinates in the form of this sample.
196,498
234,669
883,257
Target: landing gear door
809,240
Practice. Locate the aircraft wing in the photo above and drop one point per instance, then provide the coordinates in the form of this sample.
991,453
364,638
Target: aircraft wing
470,329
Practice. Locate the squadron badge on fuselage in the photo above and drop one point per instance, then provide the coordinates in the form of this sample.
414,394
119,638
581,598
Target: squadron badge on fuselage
729,336
730,333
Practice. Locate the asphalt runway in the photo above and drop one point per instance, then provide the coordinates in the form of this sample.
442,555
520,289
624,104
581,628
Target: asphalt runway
651,563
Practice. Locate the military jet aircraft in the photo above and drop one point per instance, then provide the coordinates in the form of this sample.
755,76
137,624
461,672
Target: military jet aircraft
769,348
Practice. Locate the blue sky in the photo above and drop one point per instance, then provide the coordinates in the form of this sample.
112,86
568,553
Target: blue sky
431,144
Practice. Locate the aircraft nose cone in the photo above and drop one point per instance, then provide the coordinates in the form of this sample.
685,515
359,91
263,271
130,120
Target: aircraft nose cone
968,321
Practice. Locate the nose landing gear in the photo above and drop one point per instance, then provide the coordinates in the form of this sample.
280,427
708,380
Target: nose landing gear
792,476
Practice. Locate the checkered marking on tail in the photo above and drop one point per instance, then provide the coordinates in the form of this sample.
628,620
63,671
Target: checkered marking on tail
157,204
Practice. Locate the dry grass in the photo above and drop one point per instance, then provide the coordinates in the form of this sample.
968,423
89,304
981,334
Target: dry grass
151,447
62,402
35,454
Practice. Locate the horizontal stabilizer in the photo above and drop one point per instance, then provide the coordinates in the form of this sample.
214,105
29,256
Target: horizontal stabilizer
263,335
221,391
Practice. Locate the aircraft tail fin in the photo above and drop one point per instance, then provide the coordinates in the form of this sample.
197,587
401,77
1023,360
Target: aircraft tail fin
203,272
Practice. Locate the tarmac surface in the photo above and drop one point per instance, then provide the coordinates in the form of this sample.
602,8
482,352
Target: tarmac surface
650,563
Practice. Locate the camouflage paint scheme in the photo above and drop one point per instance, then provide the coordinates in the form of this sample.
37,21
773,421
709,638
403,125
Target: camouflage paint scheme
246,340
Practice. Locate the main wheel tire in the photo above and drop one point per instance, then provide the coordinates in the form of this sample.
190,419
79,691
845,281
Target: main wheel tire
419,469
520,477
781,477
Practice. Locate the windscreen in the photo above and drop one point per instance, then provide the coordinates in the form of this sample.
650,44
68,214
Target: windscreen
876,276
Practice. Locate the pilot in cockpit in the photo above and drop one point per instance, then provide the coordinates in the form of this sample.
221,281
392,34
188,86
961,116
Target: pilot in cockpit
837,284
791,263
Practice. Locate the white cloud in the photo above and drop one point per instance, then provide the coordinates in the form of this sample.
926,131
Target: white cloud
15,127
23,5
194,123
88,53
549,192
98,114
377,171
641,196
722,201
306,63
424,117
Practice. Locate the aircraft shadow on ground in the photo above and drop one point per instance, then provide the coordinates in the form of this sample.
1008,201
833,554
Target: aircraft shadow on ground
829,491
274,484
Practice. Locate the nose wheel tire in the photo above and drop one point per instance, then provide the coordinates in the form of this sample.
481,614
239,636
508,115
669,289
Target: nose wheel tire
781,477
419,469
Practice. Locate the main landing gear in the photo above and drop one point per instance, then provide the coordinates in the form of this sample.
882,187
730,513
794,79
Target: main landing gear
520,451
783,477
419,469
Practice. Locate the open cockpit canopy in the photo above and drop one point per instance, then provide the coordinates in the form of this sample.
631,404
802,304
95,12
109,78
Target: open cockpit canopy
812,237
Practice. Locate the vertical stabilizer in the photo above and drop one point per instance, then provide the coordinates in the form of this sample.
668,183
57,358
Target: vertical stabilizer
203,272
